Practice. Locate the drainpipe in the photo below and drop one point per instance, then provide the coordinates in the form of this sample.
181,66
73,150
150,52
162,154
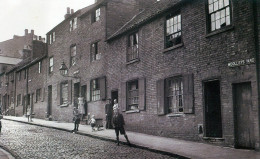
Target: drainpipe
256,40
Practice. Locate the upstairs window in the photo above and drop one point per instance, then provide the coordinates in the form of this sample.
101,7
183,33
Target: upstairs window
19,76
73,52
52,37
132,52
39,67
173,30
96,15
73,24
219,14
51,65
95,55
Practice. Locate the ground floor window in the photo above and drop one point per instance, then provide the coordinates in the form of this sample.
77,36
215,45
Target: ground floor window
132,95
38,95
95,90
64,93
174,93
18,99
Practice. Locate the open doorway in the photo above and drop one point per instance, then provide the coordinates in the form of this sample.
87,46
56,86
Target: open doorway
212,110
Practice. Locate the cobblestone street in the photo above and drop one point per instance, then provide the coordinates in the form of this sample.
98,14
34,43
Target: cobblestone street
29,141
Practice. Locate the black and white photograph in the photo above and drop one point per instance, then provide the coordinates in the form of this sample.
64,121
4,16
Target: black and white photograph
130,79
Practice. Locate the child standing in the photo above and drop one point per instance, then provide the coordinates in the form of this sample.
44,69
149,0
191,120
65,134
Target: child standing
93,122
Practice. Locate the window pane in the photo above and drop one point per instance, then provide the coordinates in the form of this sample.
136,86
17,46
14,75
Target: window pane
175,20
179,18
220,4
213,27
210,8
210,1
227,11
228,20
217,15
215,6
222,13
217,24
213,17
226,3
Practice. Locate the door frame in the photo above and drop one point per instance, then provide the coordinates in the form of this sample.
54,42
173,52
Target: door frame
204,104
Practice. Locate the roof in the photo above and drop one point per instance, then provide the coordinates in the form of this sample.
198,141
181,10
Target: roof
80,12
9,60
158,8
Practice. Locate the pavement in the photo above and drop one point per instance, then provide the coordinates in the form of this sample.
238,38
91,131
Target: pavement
5,155
175,147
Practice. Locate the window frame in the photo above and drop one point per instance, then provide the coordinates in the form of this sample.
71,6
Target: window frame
176,108
74,56
95,55
39,66
179,38
95,92
51,67
95,16
209,23
38,95
73,24
132,49
135,105
62,101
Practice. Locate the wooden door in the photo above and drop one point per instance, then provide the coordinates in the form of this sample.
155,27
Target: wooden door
49,107
243,113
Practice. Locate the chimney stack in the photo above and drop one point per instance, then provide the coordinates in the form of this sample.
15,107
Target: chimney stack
72,11
26,32
32,32
68,13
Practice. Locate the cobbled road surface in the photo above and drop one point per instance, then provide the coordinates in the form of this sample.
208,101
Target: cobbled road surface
35,142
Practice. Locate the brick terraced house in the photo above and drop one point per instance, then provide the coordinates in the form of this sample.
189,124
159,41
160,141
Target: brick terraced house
179,68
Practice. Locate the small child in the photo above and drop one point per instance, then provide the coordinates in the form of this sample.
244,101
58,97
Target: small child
93,122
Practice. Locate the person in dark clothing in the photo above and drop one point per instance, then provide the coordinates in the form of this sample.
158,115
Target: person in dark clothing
108,111
76,119
118,122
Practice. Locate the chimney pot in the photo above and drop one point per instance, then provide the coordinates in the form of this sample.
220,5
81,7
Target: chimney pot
40,38
68,10
26,31
32,32
72,11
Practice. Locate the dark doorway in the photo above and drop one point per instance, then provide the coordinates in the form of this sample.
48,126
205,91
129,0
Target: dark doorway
243,114
114,95
49,107
24,106
76,94
83,92
4,103
213,120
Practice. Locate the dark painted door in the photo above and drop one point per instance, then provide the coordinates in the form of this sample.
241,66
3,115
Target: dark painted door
49,107
213,120
76,94
243,113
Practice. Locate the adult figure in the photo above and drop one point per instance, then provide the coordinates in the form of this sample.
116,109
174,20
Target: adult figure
118,122
109,114
76,119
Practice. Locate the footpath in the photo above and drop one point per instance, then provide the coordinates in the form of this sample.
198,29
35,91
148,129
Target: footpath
175,147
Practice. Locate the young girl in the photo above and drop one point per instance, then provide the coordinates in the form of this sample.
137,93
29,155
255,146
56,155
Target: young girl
93,122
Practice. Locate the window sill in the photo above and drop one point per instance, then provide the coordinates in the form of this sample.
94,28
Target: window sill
132,61
227,28
173,47
175,115
132,111
64,105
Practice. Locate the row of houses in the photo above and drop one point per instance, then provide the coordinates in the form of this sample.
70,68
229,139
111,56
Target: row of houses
179,69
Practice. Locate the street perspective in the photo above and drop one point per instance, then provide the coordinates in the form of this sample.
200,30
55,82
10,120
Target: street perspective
130,79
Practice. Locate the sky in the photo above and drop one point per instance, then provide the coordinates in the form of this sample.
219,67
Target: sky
38,15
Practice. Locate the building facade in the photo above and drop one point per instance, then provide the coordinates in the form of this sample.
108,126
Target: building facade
179,69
